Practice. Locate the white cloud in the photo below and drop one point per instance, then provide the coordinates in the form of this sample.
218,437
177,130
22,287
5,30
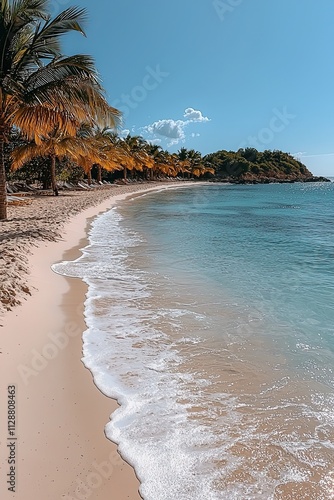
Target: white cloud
174,130
124,133
311,156
194,115
155,141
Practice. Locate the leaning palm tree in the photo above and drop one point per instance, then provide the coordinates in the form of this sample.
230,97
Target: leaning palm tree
42,92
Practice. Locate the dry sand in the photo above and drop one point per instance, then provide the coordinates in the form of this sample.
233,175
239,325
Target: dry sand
41,219
58,443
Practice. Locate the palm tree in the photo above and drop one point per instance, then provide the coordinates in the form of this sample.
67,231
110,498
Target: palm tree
142,160
54,148
86,149
104,141
192,160
166,163
101,151
104,138
154,151
128,162
43,92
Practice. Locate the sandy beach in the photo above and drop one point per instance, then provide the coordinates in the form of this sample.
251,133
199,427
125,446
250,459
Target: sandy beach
52,416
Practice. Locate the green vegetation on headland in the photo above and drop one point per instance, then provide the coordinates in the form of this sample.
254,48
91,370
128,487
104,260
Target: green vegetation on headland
56,125
252,166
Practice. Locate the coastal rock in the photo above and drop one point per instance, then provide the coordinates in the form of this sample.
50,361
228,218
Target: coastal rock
316,179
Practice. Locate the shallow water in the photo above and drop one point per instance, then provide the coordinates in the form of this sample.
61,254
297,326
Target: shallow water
210,319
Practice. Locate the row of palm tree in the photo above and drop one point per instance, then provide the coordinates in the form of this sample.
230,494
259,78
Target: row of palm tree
58,105
104,149
153,162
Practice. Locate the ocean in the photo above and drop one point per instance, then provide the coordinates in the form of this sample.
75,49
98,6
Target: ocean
210,319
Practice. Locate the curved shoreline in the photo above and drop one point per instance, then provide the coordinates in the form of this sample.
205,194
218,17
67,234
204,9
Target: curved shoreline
61,417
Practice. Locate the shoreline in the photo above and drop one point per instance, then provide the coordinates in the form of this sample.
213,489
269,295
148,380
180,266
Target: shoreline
61,445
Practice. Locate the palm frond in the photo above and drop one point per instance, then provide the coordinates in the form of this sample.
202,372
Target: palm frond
59,69
40,121
31,8
71,19
18,12
24,154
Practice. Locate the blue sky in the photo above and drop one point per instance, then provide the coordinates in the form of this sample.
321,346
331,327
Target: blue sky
218,74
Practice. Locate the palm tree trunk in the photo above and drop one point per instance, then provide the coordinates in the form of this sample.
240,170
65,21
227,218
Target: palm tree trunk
99,173
89,176
53,175
124,173
3,194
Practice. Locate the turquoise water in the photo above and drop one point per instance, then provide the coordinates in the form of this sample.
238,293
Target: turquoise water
210,319
271,247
